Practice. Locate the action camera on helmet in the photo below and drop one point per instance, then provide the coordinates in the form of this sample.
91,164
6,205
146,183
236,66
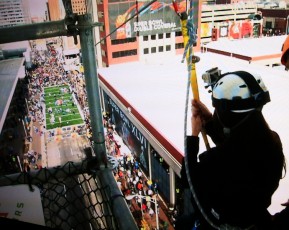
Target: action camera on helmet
211,76
237,91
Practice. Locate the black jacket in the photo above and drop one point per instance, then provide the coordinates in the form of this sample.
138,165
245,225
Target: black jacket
236,178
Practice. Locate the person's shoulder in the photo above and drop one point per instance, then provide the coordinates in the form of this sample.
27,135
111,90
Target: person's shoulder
285,50
277,139
275,135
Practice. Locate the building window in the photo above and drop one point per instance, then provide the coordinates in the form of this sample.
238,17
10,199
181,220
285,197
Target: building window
145,38
146,51
123,41
179,46
161,49
168,35
161,36
168,47
124,53
153,50
179,34
268,24
153,37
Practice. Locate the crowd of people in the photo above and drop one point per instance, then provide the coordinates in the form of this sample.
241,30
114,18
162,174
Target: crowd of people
130,178
48,70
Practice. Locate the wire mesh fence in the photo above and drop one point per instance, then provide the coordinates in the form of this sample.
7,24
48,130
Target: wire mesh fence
77,196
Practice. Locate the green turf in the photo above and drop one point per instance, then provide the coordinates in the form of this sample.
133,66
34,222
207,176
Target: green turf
68,111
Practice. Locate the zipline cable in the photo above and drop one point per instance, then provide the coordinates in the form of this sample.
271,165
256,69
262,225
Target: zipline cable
189,35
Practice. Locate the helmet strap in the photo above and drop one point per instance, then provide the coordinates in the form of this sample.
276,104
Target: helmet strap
227,131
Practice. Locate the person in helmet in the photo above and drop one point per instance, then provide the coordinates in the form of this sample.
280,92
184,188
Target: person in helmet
285,53
233,182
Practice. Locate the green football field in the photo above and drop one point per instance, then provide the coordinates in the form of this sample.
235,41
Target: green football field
62,107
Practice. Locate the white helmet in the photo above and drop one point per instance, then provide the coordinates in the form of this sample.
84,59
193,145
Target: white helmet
239,92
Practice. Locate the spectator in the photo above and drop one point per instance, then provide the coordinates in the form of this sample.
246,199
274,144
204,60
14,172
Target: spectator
151,212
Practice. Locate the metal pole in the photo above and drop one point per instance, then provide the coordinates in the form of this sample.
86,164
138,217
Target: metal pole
33,31
92,87
19,163
121,210
156,211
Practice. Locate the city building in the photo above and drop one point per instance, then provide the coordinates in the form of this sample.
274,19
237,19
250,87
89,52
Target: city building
140,31
275,21
57,12
230,21
160,157
79,7
132,39
54,10
14,12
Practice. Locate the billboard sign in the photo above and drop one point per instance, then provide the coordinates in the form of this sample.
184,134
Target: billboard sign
206,29
129,133
159,17
224,31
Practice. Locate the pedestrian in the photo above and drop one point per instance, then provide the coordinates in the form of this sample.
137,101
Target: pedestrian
145,189
149,204
136,165
149,184
165,225
139,173
151,212
155,187
150,192
234,180
139,185
128,173
144,207
120,174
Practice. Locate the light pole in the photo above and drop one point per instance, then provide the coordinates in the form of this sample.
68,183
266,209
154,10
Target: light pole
148,198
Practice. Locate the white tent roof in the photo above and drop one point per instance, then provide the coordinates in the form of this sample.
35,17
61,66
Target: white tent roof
70,51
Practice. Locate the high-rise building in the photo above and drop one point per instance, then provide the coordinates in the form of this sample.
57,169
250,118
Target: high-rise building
79,6
14,12
54,10
142,30
57,12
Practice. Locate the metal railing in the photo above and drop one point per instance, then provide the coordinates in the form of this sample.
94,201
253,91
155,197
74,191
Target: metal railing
77,196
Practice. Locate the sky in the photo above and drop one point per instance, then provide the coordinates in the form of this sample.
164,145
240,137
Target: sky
37,8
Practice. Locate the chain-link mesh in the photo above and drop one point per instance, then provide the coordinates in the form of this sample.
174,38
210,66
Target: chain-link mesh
73,196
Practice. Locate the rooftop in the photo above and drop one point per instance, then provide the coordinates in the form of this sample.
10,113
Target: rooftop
157,90
264,50
10,71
